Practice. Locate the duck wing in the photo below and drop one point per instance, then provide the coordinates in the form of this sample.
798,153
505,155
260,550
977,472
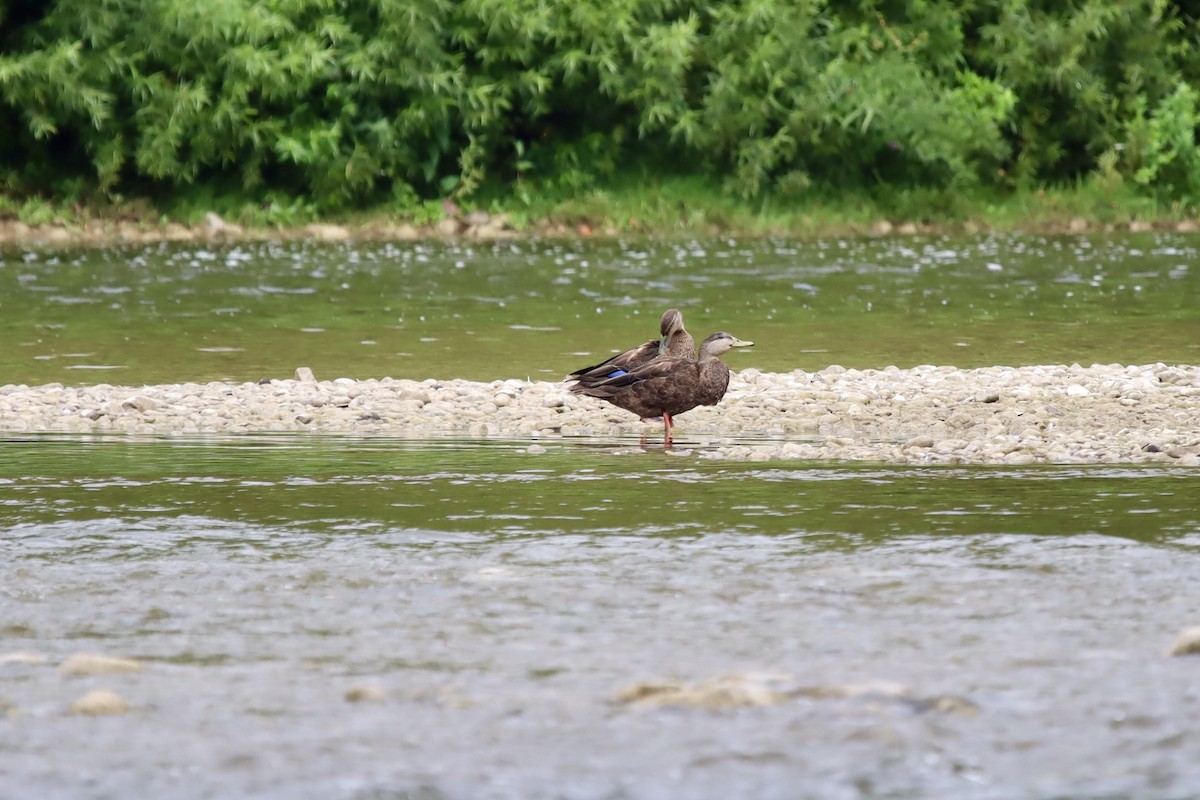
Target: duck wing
667,368
621,362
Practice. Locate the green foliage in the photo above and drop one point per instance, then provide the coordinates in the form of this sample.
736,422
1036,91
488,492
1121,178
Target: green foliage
1169,154
1077,69
37,212
398,102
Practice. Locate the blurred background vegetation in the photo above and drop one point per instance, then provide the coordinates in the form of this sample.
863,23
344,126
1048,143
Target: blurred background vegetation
304,108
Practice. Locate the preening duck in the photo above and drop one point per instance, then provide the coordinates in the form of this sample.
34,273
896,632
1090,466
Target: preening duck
667,385
674,341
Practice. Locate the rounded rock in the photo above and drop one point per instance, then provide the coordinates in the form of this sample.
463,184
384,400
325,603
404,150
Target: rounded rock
97,664
365,694
100,702
1186,643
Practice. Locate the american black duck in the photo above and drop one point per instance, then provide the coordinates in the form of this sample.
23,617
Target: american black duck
667,386
675,341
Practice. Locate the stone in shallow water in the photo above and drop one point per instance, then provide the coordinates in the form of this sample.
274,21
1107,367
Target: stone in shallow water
748,690
365,694
945,704
97,664
100,702
1187,643
757,689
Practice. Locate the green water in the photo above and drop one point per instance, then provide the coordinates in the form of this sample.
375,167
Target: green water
578,487
498,599
533,309
498,602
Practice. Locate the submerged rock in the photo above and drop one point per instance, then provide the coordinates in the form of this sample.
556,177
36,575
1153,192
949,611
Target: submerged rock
1187,643
100,702
365,694
22,657
945,704
97,664
756,689
725,691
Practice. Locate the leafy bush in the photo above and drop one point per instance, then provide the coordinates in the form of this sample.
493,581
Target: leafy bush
1169,154
402,101
1077,69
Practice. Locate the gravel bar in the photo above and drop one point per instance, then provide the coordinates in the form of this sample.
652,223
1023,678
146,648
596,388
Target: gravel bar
924,415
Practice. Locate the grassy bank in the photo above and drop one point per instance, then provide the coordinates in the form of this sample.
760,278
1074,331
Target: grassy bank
679,206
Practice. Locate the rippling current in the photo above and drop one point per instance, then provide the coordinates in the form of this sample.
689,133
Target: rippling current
498,603
172,313
503,612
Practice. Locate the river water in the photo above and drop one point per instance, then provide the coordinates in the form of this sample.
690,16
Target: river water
169,314
339,617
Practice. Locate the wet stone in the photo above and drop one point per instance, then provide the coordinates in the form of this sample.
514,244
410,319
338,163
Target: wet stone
944,704
100,702
1187,643
722,692
97,664
365,694
22,657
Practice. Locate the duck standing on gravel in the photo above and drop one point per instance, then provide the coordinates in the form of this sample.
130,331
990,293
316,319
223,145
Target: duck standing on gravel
666,385
675,341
